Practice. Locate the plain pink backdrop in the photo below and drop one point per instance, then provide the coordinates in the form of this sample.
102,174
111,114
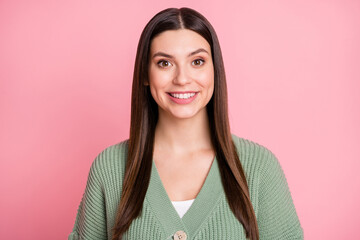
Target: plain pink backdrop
65,79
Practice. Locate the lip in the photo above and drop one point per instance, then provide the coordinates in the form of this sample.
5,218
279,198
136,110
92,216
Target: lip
183,92
183,101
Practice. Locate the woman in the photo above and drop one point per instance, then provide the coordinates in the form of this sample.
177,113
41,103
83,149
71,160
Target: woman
182,174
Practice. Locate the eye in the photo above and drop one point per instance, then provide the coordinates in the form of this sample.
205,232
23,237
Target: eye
198,62
164,63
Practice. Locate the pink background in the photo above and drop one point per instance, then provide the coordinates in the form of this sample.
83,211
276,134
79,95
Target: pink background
65,79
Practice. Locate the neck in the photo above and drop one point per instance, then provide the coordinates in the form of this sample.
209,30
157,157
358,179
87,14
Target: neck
183,135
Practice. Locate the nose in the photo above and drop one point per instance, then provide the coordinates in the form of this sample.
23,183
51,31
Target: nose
182,76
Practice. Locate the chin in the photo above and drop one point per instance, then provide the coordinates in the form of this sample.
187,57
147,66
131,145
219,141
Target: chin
182,116
185,114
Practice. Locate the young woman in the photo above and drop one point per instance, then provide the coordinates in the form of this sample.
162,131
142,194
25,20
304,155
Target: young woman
182,174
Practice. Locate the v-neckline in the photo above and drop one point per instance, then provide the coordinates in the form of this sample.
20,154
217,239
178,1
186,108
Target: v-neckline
202,206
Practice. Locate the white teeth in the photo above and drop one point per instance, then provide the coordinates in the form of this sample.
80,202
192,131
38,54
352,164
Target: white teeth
182,95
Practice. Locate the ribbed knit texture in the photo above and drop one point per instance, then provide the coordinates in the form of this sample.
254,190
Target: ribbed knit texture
209,217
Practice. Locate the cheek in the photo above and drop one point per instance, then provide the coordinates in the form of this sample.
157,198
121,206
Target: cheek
157,81
206,79
153,82
158,78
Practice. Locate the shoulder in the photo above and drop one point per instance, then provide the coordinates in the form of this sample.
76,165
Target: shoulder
110,160
254,156
114,151
248,149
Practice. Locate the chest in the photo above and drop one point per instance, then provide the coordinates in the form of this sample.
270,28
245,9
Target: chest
209,216
220,224
183,180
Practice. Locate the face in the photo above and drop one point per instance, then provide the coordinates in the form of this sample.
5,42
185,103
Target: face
181,73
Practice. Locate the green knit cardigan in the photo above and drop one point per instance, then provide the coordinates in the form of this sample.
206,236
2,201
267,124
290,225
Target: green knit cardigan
209,216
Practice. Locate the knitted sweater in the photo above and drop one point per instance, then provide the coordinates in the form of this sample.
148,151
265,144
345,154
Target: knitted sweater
209,217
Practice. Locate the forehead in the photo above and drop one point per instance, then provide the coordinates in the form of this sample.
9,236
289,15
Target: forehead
178,41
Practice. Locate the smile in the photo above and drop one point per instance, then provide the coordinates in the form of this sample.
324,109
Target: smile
182,95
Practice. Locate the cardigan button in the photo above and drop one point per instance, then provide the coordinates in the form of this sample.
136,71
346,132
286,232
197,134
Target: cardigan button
180,235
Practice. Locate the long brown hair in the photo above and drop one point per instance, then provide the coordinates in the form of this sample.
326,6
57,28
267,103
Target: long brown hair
144,116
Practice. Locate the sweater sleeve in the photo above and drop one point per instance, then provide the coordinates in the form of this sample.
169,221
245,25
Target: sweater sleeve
277,218
90,221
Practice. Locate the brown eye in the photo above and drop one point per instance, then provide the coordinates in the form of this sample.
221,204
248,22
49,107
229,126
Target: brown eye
164,63
198,62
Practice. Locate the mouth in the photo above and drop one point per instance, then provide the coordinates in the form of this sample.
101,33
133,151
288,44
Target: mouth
182,95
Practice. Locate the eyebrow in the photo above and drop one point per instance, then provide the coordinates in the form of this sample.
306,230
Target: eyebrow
170,56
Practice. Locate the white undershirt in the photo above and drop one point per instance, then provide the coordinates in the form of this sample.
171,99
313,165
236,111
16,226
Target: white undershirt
182,206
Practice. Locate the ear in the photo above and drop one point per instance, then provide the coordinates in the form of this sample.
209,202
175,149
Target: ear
146,83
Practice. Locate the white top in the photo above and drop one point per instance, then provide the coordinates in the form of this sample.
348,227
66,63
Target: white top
182,206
